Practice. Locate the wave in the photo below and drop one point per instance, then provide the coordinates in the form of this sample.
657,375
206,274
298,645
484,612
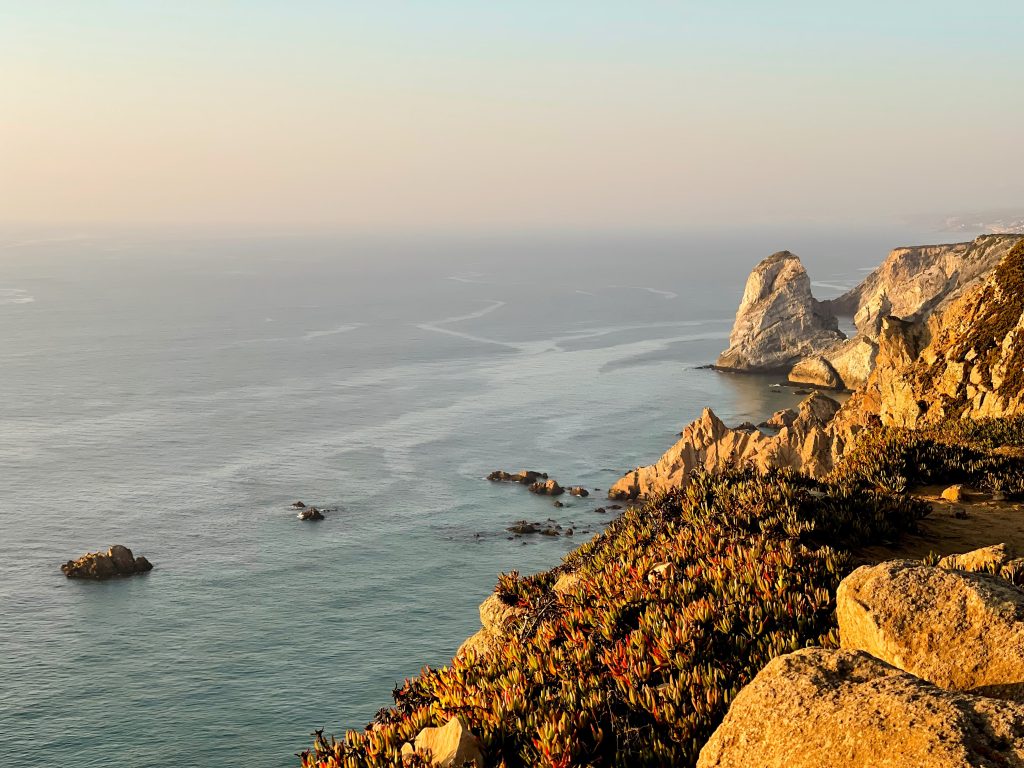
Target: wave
655,291
831,286
310,335
15,296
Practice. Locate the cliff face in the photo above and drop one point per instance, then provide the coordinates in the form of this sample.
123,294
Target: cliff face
778,321
967,360
779,324
913,282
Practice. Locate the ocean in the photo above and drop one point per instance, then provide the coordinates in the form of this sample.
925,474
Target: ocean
177,393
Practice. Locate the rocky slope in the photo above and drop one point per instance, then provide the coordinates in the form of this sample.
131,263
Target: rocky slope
778,321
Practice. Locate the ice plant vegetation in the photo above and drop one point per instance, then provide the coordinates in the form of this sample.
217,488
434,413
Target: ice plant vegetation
675,607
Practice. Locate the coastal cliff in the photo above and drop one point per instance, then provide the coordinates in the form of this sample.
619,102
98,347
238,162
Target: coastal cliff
778,321
780,325
726,617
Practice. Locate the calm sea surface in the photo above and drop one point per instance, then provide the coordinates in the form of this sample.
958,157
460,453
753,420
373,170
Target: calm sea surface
175,395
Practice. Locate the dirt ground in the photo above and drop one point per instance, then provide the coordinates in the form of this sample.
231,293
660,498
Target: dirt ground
956,527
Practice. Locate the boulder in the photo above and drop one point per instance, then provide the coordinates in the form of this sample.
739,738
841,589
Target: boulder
954,493
853,360
578,490
817,371
523,527
780,419
497,620
547,488
298,505
958,630
98,566
984,559
449,746
123,559
778,321
820,708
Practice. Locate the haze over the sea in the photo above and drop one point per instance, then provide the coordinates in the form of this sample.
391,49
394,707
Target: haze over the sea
467,116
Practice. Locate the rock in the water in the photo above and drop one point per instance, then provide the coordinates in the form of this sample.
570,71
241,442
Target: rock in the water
525,476
310,513
450,746
298,505
547,488
558,504
578,490
778,321
844,709
954,493
817,371
123,559
961,631
523,527
116,561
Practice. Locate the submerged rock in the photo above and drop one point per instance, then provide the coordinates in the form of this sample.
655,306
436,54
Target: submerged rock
525,476
310,513
578,490
98,566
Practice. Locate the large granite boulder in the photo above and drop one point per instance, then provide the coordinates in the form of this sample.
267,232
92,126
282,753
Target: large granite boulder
958,630
99,566
818,708
816,371
778,321
449,746
498,620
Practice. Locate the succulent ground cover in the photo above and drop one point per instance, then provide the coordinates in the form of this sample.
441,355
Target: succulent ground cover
983,453
670,611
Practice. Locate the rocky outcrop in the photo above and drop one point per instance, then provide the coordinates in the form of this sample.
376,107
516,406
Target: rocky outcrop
818,708
98,566
498,620
547,488
310,513
708,444
778,322
958,630
450,746
913,282
966,361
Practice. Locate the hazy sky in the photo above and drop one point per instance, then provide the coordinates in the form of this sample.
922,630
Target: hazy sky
547,114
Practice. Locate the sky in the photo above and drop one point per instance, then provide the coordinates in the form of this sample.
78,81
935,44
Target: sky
446,115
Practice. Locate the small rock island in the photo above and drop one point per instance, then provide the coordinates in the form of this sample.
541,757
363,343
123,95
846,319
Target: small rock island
99,566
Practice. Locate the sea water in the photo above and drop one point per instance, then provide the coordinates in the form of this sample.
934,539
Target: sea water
177,393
